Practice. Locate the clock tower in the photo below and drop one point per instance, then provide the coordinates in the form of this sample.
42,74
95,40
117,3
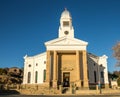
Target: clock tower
66,28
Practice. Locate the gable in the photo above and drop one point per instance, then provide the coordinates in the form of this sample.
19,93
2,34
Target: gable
65,41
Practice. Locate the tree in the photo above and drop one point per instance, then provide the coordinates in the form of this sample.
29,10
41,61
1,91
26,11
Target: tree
113,75
118,81
116,53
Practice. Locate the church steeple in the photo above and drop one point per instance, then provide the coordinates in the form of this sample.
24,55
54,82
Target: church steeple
66,28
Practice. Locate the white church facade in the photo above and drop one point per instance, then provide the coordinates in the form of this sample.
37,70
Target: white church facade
66,61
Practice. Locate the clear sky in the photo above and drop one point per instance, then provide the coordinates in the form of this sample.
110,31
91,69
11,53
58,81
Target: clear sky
26,24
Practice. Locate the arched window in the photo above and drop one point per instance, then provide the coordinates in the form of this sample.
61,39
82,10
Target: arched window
29,77
44,75
95,77
102,74
36,76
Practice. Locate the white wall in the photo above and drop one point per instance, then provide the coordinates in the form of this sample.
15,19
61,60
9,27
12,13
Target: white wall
92,66
38,59
100,65
103,62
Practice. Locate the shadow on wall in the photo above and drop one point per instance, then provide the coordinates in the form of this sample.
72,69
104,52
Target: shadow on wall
8,92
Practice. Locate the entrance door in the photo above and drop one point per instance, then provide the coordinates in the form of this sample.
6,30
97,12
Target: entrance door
66,79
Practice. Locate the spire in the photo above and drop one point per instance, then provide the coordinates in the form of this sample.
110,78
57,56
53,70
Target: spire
66,28
65,8
66,14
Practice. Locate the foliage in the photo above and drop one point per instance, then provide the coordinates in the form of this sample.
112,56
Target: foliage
115,76
112,76
118,81
117,73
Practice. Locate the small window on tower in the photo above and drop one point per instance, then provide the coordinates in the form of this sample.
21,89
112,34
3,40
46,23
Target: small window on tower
65,23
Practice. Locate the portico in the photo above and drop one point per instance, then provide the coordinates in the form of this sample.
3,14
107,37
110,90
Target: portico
65,67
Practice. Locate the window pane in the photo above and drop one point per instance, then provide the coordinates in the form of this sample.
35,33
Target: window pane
36,76
95,77
29,77
44,74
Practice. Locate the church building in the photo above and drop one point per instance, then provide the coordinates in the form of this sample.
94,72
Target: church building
66,61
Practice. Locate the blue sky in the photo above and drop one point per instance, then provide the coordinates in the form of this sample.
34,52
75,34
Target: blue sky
26,24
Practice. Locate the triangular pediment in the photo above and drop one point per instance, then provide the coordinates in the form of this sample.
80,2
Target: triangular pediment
66,41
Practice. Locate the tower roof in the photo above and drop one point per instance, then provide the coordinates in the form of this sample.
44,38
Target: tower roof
65,14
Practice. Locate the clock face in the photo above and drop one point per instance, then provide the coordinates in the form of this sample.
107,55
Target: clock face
66,32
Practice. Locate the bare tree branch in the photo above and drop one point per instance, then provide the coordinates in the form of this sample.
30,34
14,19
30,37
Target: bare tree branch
116,49
116,53
117,64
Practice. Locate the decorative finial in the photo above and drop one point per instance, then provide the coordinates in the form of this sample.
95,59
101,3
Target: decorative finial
65,9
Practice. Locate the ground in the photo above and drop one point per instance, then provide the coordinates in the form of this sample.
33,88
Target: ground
116,95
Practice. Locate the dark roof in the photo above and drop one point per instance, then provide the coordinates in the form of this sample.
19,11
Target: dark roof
92,55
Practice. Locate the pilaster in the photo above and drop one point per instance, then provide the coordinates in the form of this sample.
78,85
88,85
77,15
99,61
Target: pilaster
55,69
78,68
85,75
48,67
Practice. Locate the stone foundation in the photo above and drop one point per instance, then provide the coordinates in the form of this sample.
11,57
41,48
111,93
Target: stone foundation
107,86
37,89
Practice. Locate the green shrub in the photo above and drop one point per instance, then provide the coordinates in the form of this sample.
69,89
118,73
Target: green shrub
118,81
